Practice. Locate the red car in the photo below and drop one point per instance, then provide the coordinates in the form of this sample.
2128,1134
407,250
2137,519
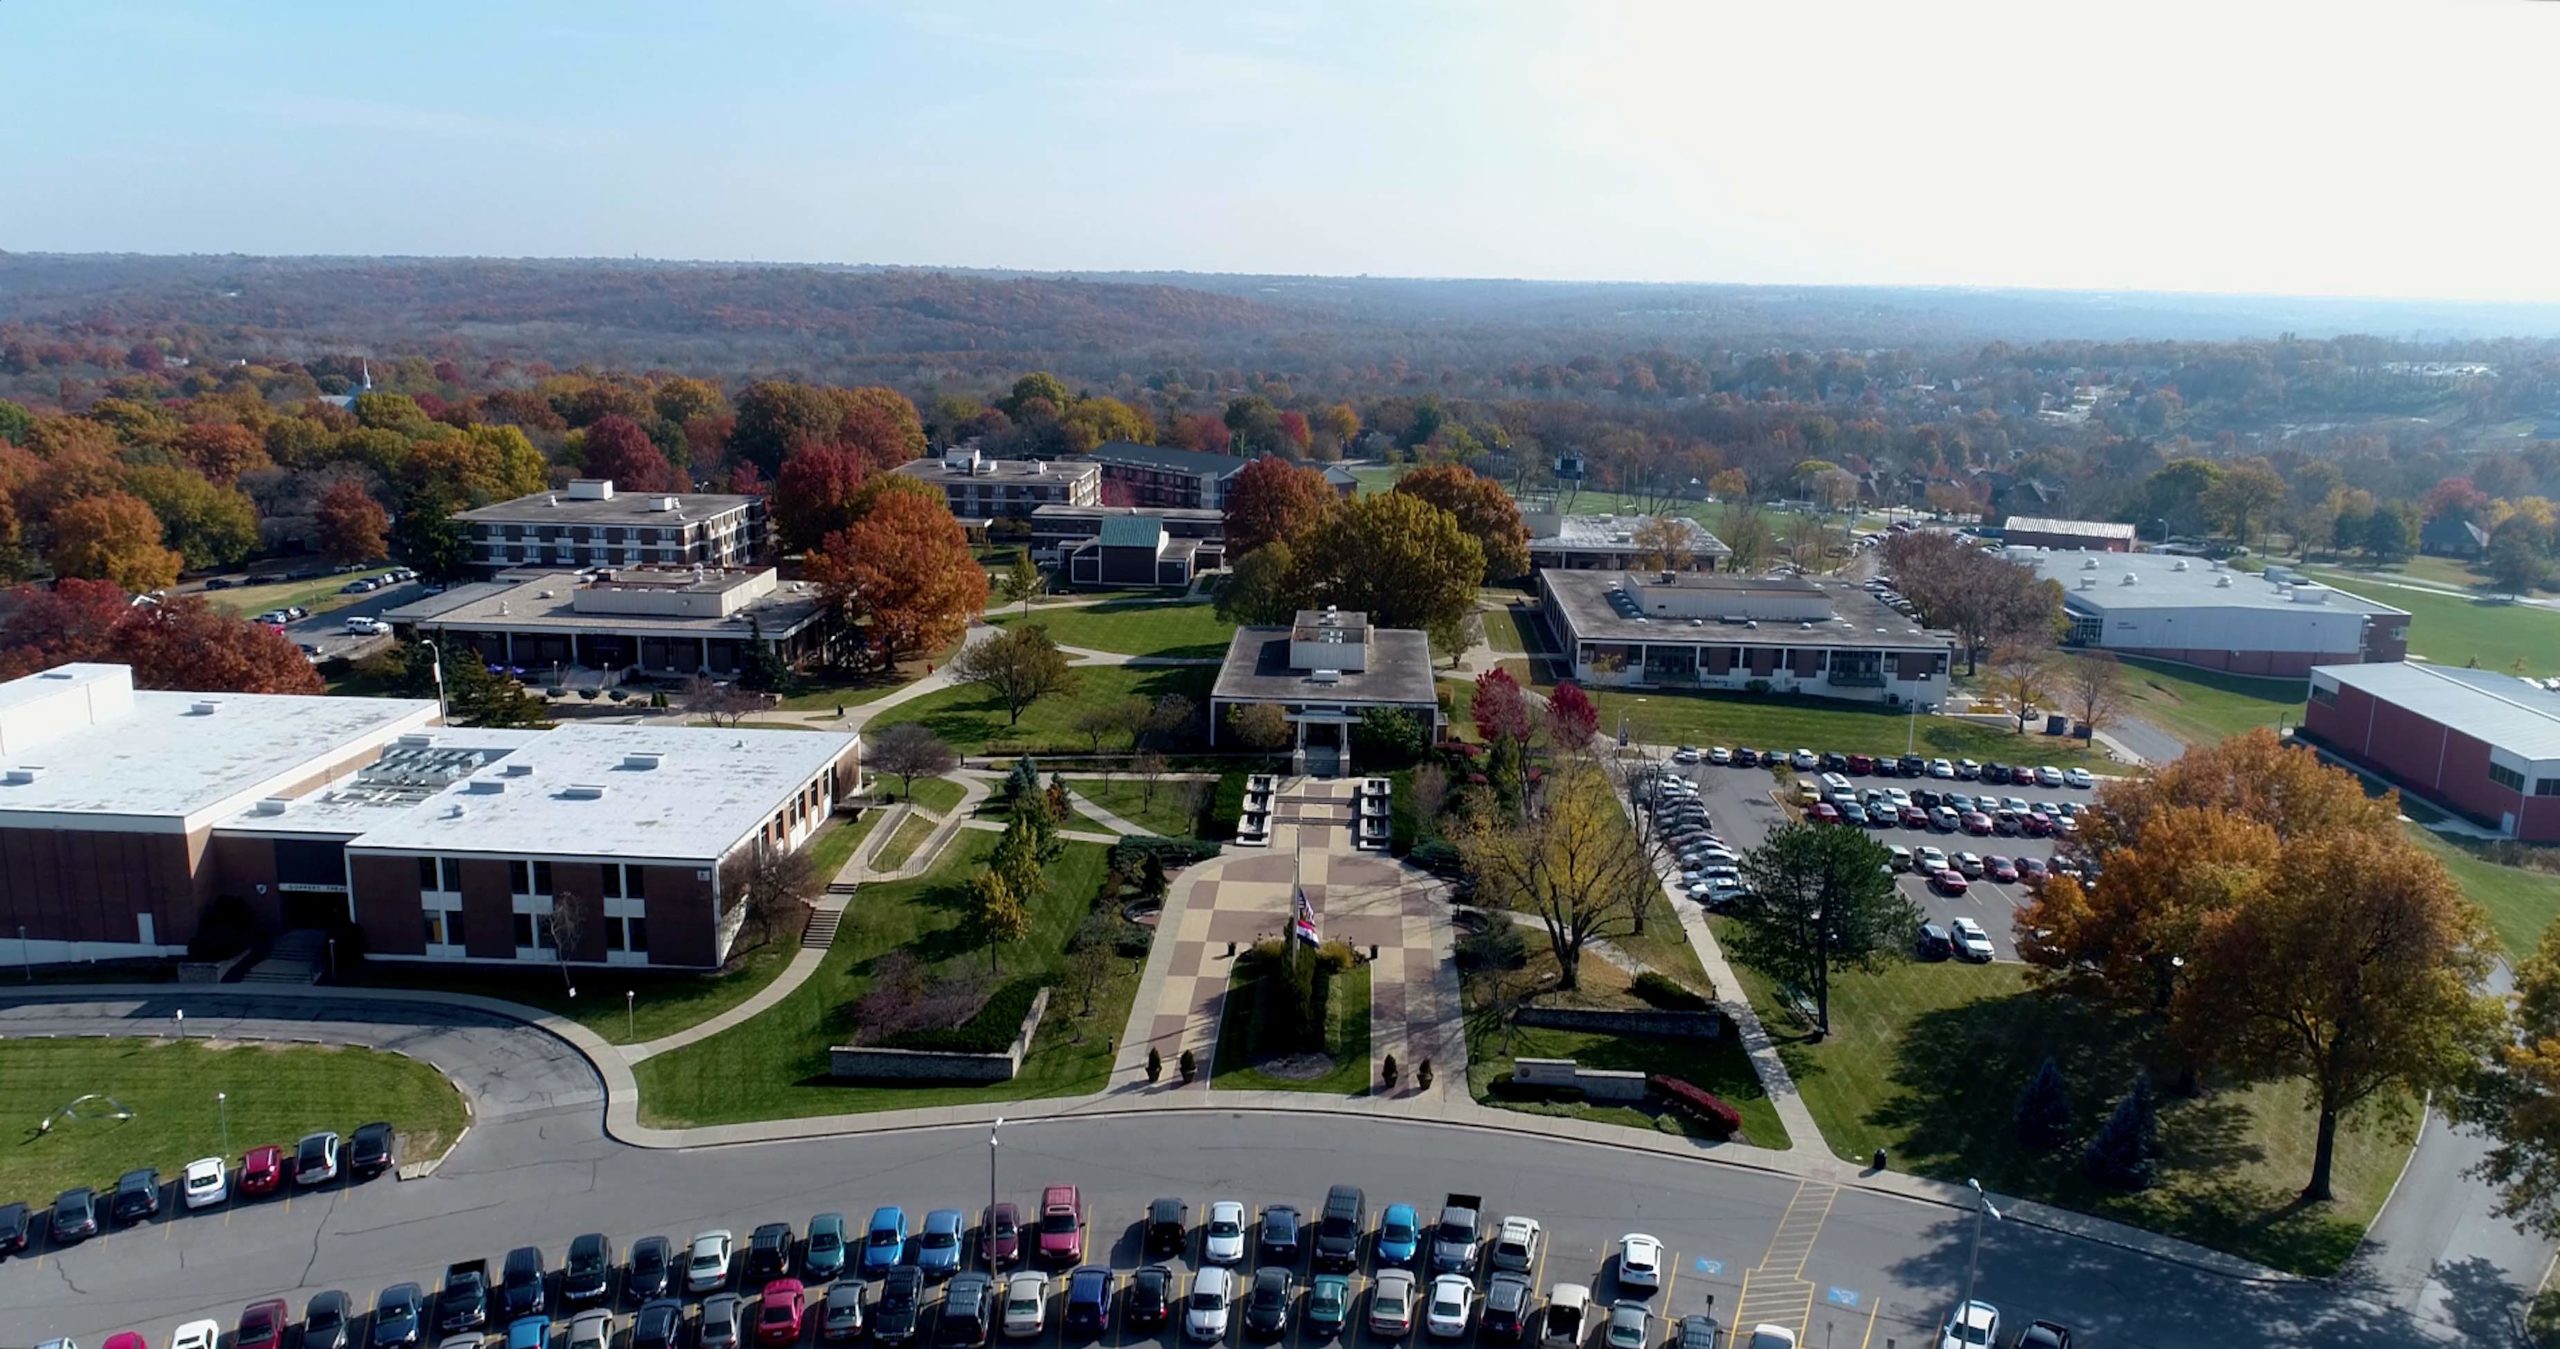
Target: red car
1860,763
1826,813
126,1339
262,1325
1061,1224
262,1170
1975,822
1999,868
778,1313
1004,1232
1948,882
1914,817
2035,824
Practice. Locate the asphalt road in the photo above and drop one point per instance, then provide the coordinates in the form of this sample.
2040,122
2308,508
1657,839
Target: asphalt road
1852,1268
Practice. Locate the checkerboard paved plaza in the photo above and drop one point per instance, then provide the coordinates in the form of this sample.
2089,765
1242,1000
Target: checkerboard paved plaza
1363,899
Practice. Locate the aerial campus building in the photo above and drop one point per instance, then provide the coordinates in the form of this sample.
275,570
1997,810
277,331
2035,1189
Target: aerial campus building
2481,744
1323,671
2203,613
590,525
1769,634
127,814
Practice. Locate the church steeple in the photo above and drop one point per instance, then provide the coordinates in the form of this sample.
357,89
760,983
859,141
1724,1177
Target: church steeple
365,367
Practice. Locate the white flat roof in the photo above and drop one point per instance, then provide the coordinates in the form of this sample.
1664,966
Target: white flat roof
2161,582
1616,533
2499,709
169,758
412,768
709,789
2096,529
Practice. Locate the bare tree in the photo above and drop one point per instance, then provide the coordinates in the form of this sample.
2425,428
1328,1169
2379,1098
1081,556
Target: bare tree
1430,791
722,705
908,751
1151,768
1573,864
777,886
2023,677
569,923
1170,714
2093,686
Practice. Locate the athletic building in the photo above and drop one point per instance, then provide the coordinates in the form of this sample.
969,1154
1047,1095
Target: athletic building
2481,744
2201,613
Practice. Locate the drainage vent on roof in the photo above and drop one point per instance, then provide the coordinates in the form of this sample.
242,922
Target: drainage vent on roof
583,791
205,707
20,777
519,770
640,761
488,785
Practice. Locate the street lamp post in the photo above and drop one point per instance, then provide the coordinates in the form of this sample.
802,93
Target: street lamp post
26,954
1973,1257
631,1014
988,1239
222,1102
182,1023
436,665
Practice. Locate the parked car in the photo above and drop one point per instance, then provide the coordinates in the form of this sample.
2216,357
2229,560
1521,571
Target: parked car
1337,1238
1149,1303
1509,1301
16,1228
651,1269
901,1304
1088,1309
1168,1226
205,1183
370,1151
1568,1307
884,1243
75,1216
780,1312
1972,942
1061,1225
137,1196
659,1324
721,1322
521,1282
1003,1232
1972,1325
1696,1332
1399,1236
1204,1311
769,1251
2077,777
1640,1262
968,1312
328,1320
528,1332
587,1278
1933,943
591,1330
1222,1239
261,1170
262,1325
2000,869
823,1255
1630,1325
1391,1304
843,1315
1026,1305
2045,1334
938,1245
203,1334
1266,1304
706,1261
1277,1240
399,1315
315,1159
1949,882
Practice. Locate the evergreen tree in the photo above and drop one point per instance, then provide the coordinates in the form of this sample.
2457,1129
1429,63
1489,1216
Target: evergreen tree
1023,781
2125,1154
762,671
2044,1109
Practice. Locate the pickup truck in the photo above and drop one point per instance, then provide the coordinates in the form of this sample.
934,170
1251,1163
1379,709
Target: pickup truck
1455,1238
463,1303
1516,1245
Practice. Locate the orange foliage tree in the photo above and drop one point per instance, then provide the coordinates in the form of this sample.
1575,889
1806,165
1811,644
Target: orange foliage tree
179,643
353,526
113,537
1485,512
1274,500
904,572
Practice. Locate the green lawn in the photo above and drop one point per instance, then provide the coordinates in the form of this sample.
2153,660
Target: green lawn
972,720
277,1094
1720,1066
660,1005
1376,478
835,843
912,832
2520,903
2202,707
2450,630
1235,1066
775,1066
1127,798
1704,719
939,795
854,692
1926,1061
319,596
1132,627
1513,630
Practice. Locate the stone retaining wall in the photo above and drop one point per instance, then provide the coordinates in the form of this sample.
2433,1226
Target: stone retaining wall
1699,1025
936,1065
1598,1084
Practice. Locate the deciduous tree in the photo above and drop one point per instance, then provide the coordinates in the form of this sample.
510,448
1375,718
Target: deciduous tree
2515,561
1395,557
353,527
1820,900
1499,708
905,573
2240,501
1571,717
907,751
1023,581
1019,665
778,886
2092,687
1662,544
1260,726
617,448
1261,587
113,537
817,491
2023,676
1484,512
207,526
221,451
1274,500
1572,863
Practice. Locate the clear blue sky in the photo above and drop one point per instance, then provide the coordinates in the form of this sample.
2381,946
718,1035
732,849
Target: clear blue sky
2307,146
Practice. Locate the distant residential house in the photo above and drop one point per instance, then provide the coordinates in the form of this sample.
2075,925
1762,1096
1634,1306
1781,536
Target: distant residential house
2452,536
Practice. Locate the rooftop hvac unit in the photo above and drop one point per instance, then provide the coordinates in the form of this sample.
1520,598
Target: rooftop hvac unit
2091,583
1324,677
417,739
205,707
519,769
2131,579
21,776
488,786
2179,565
640,761
2089,564
666,503
583,791
272,805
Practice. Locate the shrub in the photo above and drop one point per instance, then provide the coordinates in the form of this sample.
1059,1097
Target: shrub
1129,856
1669,994
1757,687
1155,1063
2044,1109
1190,1065
1494,944
1722,1120
1389,738
1440,857
1388,1072
990,1031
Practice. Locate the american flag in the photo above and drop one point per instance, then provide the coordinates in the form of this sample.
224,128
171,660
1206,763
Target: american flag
1302,925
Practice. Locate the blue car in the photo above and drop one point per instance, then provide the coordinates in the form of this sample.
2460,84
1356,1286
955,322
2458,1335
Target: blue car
529,1332
938,1246
884,1245
1399,1236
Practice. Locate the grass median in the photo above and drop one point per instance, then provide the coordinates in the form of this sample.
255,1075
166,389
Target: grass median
775,1066
1241,1064
276,1094
972,720
2204,707
1131,627
1664,717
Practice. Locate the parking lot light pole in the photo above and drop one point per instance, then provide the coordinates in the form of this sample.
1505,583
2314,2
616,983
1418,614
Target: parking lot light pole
1973,1258
631,1014
988,1233
222,1102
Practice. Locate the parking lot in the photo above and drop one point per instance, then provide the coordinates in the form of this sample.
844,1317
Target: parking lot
1741,804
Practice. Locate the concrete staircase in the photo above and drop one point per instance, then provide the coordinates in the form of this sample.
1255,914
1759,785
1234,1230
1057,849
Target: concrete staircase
821,932
296,958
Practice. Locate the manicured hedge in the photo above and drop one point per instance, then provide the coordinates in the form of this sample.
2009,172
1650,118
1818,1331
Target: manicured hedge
1707,1107
1668,993
1129,855
991,1031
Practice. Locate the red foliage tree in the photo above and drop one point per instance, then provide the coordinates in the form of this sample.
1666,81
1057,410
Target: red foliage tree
1273,499
1201,432
1500,709
1293,429
180,643
2457,497
221,451
815,493
353,526
619,449
905,573
1571,716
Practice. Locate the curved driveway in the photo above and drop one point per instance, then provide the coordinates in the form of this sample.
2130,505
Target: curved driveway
537,1168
